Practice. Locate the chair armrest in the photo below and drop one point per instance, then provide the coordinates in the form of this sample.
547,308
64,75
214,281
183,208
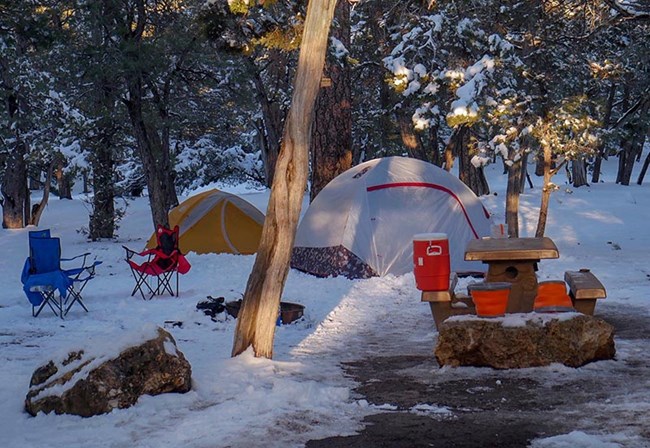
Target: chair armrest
130,253
83,263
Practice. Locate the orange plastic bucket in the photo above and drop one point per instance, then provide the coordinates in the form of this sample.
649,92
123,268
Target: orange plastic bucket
431,265
552,295
490,299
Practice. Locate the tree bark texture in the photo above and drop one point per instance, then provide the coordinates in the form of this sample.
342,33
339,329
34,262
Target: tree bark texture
595,175
102,220
513,190
331,144
14,189
15,206
546,193
579,173
260,306
273,117
154,154
644,169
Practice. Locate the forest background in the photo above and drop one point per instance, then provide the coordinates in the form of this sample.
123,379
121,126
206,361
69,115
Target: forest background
165,96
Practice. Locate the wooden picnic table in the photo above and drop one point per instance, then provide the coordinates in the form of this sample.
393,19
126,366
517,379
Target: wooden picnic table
513,260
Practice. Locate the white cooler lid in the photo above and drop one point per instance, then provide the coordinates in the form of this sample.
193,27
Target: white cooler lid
429,236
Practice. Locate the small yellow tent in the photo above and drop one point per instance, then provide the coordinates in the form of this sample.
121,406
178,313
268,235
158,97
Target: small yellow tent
216,222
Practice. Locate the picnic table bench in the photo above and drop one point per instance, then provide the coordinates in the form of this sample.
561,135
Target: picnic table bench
584,290
447,303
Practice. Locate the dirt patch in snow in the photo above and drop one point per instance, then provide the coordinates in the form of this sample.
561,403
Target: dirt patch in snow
421,405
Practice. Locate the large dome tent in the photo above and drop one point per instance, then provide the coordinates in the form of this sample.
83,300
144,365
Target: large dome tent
362,223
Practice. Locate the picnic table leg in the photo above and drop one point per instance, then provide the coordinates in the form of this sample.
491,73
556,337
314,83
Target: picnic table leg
521,274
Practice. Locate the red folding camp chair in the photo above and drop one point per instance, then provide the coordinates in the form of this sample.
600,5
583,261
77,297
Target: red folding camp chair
160,265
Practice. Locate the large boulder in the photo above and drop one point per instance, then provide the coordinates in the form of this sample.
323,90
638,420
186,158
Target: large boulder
524,340
86,385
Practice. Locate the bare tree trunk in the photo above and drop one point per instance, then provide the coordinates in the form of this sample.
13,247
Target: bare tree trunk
513,190
260,306
102,220
273,116
595,175
15,193
37,209
579,172
331,145
155,157
646,163
14,189
546,193
549,172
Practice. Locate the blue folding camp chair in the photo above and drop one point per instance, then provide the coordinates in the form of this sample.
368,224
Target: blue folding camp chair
44,281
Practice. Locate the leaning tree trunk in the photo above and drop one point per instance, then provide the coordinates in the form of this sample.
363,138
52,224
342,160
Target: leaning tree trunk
549,171
259,310
38,209
331,145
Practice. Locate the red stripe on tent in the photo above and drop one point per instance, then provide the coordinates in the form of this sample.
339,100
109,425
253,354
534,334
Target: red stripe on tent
428,185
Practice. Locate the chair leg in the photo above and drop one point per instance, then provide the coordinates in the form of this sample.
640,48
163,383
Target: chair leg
75,297
49,299
140,280
164,283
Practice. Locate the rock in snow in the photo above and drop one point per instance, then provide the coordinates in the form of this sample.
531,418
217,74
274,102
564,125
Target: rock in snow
573,340
89,385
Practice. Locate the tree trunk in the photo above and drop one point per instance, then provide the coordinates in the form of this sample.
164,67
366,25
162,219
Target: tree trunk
595,175
37,209
155,157
643,170
627,157
513,190
102,220
410,140
15,193
260,306
546,194
579,173
63,184
524,172
331,145
471,176
273,116
14,189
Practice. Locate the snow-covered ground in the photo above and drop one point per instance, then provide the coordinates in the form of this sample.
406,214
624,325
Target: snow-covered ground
302,393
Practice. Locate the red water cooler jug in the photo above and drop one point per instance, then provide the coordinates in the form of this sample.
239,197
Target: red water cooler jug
431,265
